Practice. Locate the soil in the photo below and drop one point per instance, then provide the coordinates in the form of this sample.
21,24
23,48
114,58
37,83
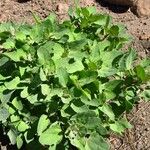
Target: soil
21,11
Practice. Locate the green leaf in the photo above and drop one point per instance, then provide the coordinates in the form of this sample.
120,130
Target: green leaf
111,85
76,66
3,61
12,136
20,36
145,94
52,136
16,55
6,97
24,93
114,30
18,104
106,109
42,75
23,126
140,72
42,124
63,76
130,58
45,89
97,142
4,114
9,44
33,98
11,85
19,141
120,126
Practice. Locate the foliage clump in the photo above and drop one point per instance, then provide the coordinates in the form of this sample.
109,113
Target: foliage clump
67,85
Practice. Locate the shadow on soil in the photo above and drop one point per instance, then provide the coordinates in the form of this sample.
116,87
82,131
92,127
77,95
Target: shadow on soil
112,7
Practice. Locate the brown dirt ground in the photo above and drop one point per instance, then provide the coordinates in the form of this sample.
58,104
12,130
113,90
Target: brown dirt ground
137,138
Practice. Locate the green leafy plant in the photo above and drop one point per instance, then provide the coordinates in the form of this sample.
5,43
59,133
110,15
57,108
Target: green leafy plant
67,85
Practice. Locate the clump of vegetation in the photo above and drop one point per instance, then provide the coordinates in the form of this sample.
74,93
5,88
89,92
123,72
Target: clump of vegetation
67,85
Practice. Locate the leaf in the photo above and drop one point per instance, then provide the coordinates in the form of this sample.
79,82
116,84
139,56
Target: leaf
19,141
106,109
18,104
58,51
52,136
9,44
97,142
4,114
106,72
11,85
145,94
76,66
140,72
114,30
45,89
78,44
6,97
3,61
42,124
20,36
42,75
12,136
16,55
120,126
111,85
33,98
23,126
63,76
130,58
24,93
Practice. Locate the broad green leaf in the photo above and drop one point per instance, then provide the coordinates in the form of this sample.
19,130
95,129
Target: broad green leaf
6,97
12,136
11,85
44,53
106,109
42,75
3,61
17,55
63,76
20,36
76,66
23,126
24,93
42,124
106,72
19,141
33,98
4,114
17,104
114,30
45,89
97,142
58,51
11,110
140,72
9,44
112,84
130,58
78,44
52,136
14,118
120,126
87,77
145,94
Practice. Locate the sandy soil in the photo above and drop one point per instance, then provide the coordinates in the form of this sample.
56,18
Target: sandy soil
20,11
